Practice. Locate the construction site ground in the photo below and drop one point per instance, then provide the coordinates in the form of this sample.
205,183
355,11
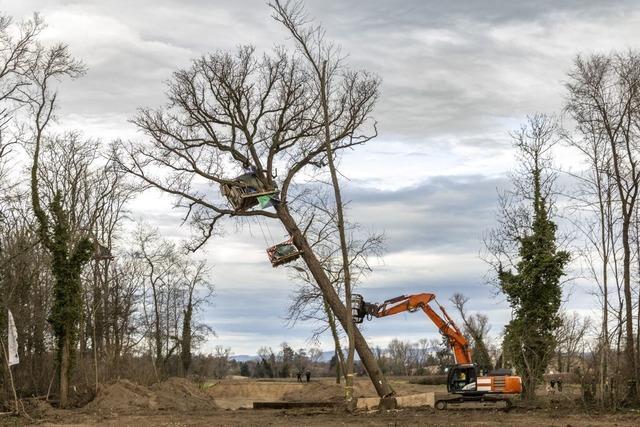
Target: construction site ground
178,402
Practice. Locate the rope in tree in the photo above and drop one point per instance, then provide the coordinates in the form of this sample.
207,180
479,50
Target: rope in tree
264,236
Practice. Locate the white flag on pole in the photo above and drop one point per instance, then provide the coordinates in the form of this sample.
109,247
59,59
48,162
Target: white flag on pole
14,359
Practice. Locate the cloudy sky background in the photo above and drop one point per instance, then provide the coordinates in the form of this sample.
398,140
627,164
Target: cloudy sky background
457,78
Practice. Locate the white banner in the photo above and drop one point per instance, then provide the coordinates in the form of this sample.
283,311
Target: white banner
14,359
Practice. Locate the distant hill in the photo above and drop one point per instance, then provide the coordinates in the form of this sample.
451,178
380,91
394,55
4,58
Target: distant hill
243,357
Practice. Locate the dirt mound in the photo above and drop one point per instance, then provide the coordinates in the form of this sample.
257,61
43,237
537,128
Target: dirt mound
181,395
122,396
175,394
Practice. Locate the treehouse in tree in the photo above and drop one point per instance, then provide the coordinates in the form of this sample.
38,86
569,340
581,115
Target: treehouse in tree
247,191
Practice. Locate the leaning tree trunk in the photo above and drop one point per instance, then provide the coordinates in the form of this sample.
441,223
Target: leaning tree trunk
315,268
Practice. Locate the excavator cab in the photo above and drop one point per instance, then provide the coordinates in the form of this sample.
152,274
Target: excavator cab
462,379
466,379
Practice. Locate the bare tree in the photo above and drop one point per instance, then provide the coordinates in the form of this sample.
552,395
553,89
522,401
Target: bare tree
401,355
174,289
476,326
196,289
604,96
26,288
18,44
570,339
121,302
595,215
228,112
333,83
159,263
221,361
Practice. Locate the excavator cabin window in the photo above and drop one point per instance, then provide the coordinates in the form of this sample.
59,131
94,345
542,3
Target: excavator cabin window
462,378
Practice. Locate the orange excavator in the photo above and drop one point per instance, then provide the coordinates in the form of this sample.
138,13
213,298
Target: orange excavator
464,381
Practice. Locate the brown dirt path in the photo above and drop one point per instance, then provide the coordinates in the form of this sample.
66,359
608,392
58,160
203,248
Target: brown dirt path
318,418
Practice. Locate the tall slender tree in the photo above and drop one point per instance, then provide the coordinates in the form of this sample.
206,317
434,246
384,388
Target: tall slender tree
534,288
69,251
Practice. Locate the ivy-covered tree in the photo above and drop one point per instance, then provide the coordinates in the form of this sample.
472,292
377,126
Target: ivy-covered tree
534,289
68,250
68,257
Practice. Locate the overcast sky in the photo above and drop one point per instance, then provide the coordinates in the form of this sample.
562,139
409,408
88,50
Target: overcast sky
457,76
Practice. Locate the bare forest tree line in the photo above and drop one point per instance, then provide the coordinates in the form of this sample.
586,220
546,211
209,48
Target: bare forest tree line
81,316
84,317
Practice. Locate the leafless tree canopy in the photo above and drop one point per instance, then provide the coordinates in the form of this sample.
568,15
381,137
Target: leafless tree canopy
230,111
280,115
604,100
476,327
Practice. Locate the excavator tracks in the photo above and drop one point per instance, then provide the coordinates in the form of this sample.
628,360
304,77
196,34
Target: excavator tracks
486,401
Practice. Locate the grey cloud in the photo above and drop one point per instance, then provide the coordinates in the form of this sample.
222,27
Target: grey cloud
444,69
443,213
449,68
434,12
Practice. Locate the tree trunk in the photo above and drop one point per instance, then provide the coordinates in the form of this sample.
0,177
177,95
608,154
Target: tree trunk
185,354
366,356
628,303
627,204
604,352
343,239
157,332
65,364
336,341
560,360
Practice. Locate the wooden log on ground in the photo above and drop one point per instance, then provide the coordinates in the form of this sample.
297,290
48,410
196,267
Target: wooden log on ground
293,405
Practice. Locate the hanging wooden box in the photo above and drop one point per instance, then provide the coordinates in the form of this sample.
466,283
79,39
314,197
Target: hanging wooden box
283,253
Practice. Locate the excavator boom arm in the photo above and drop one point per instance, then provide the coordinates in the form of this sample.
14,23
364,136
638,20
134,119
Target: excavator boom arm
446,326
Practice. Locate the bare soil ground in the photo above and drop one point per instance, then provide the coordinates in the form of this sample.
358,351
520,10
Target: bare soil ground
178,402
